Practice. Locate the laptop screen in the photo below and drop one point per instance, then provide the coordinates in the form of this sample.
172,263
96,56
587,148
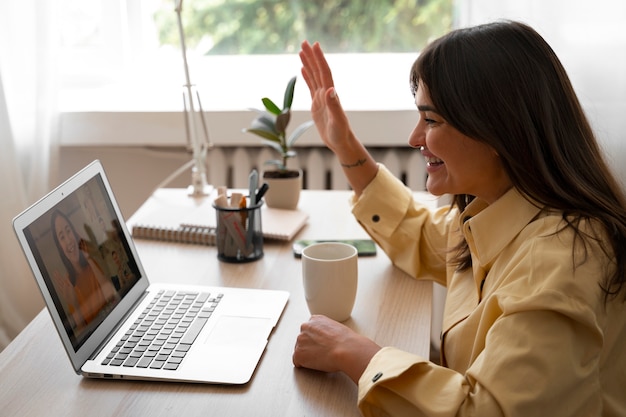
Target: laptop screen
84,258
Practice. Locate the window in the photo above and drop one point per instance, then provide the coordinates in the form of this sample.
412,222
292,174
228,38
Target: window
239,27
125,55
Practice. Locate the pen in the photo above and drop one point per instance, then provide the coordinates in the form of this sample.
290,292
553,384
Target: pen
253,183
261,192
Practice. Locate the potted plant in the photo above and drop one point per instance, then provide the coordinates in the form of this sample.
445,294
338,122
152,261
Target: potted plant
271,125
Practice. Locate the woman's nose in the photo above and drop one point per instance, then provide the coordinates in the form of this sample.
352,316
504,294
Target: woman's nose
416,139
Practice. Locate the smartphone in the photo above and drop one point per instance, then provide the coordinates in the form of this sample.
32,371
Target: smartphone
364,247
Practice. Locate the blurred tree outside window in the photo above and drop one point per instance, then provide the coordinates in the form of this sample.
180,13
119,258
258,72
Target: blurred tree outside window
113,53
249,27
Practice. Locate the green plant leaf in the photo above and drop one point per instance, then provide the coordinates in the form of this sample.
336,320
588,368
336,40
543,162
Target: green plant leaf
264,134
274,145
282,121
265,122
298,132
271,126
270,106
288,100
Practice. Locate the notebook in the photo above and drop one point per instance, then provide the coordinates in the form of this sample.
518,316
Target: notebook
197,224
96,291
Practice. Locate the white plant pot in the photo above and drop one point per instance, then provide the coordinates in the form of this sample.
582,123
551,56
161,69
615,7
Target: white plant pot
283,193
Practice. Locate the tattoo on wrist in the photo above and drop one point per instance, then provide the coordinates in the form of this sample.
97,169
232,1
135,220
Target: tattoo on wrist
358,163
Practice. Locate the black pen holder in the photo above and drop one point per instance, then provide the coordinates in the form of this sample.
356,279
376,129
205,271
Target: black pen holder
239,233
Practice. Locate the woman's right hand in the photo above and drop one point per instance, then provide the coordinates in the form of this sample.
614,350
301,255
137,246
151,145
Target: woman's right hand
331,120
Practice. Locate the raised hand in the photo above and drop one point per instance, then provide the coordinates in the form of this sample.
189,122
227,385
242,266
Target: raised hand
331,120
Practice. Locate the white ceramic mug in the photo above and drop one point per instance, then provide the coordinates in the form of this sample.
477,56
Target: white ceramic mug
330,275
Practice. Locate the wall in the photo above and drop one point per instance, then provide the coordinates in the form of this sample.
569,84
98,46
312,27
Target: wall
140,149
589,38
133,171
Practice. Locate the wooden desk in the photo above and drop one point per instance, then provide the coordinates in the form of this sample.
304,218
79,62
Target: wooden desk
36,378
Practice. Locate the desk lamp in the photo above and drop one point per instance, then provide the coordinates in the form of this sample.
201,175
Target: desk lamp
195,123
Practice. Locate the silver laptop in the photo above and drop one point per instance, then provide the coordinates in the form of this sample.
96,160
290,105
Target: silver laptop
111,320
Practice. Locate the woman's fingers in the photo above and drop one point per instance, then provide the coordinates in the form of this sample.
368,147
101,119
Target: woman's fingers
315,69
306,67
323,74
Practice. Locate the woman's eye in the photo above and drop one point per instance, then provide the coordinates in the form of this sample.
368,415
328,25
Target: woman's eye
426,117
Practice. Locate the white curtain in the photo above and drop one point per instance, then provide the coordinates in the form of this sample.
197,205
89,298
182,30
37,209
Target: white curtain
28,144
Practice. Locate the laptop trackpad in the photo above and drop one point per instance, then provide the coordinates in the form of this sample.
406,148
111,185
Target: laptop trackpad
239,331
232,349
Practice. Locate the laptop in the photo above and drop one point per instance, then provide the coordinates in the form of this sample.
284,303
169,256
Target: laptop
112,321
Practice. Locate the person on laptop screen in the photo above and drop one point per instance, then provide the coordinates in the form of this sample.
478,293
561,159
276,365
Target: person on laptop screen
83,288
88,265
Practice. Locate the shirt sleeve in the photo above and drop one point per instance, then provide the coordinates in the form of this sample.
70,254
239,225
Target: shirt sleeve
384,389
414,237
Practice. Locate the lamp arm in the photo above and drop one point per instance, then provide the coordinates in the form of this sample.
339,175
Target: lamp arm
198,176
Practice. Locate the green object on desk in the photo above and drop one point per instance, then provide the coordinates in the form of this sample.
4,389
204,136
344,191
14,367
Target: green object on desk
364,247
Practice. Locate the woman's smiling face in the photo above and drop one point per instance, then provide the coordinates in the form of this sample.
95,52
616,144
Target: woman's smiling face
67,239
455,163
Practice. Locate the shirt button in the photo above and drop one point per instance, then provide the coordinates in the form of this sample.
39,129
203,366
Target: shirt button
377,377
375,218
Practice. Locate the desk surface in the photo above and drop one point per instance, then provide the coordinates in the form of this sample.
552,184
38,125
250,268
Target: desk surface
37,379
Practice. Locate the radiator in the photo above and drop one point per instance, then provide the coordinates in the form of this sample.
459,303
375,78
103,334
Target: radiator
230,166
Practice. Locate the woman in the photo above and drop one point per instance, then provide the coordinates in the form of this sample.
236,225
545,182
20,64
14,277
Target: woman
84,288
532,250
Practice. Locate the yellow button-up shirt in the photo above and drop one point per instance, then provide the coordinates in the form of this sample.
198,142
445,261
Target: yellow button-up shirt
525,330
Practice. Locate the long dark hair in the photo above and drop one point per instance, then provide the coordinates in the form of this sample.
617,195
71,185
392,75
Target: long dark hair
502,84
68,264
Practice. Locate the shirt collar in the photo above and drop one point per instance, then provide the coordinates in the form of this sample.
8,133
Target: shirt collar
489,228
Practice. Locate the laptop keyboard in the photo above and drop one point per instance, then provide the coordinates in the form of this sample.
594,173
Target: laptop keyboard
163,333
